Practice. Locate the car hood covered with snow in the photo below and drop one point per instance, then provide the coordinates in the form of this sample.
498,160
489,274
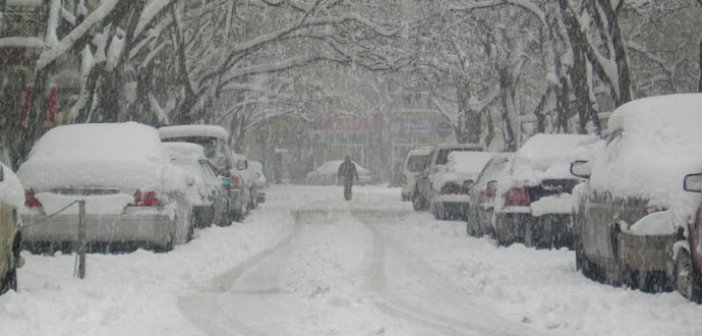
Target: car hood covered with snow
127,156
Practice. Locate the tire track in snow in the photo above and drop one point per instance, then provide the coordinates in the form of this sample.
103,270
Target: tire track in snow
394,305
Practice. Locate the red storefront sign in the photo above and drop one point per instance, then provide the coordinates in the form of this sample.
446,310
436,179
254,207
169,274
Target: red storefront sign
51,104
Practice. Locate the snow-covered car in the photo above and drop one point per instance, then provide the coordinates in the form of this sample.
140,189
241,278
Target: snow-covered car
414,163
535,202
688,252
248,178
132,193
450,199
632,207
205,190
261,180
326,174
214,139
479,219
438,157
11,199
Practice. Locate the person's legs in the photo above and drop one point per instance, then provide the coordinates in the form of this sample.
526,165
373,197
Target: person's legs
347,190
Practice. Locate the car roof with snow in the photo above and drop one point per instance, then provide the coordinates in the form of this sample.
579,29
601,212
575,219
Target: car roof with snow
652,144
179,131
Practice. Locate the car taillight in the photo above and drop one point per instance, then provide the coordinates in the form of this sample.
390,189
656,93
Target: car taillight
149,198
517,196
450,189
30,201
235,182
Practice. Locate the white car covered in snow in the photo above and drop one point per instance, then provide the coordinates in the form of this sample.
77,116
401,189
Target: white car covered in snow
205,190
633,209
450,197
534,202
414,163
133,196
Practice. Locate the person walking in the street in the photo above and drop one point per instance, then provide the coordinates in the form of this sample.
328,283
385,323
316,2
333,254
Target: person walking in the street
347,174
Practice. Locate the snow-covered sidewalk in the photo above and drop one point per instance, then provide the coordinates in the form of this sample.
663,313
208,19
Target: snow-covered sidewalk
308,263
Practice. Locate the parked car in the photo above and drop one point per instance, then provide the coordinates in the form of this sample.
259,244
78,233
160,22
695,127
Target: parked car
688,250
326,174
205,190
414,163
451,197
249,179
133,196
632,207
424,180
260,179
535,201
11,199
214,139
480,215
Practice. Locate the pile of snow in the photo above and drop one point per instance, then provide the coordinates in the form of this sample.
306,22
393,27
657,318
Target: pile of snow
550,155
125,155
180,131
653,143
462,166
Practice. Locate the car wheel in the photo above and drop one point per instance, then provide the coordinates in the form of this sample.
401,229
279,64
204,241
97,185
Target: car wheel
254,199
686,283
9,281
418,202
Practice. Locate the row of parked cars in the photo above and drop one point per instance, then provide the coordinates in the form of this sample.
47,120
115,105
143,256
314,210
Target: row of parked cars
142,188
629,204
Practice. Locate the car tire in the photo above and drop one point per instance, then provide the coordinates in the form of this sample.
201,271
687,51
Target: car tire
9,281
685,280
418,202
254,198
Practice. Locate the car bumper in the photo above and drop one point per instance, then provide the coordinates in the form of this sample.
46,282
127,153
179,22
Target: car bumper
152,227
552,230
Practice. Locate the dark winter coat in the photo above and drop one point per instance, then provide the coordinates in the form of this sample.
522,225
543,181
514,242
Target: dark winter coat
347,172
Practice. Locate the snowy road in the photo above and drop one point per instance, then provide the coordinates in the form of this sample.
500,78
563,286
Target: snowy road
308,263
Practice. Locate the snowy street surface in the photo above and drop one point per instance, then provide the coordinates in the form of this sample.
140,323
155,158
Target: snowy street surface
308,263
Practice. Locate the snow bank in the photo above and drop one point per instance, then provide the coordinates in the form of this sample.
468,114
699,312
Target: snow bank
654,142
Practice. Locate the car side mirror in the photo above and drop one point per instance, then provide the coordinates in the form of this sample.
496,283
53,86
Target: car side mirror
468,185
693,183
581,169
242,164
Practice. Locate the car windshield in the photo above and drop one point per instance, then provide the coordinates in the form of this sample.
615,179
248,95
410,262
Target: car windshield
416,163
442,156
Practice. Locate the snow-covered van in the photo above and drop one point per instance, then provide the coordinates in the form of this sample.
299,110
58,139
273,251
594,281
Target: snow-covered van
414,163
10,236
534,203
121,170
633,206
215,141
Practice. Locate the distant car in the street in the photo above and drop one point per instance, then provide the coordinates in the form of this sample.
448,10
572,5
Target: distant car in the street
11,199
214,139
204,186
450,199
687,275
633,209
534,202
325,174
414,163
260,180
480,216
133,195
424,187
249,179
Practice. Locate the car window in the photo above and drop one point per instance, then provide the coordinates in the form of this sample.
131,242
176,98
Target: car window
492,170
417,162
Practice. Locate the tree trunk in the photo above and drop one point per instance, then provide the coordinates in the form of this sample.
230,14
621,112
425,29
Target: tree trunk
700,83
470,122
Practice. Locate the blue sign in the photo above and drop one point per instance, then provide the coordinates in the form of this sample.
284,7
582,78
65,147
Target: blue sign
444,129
